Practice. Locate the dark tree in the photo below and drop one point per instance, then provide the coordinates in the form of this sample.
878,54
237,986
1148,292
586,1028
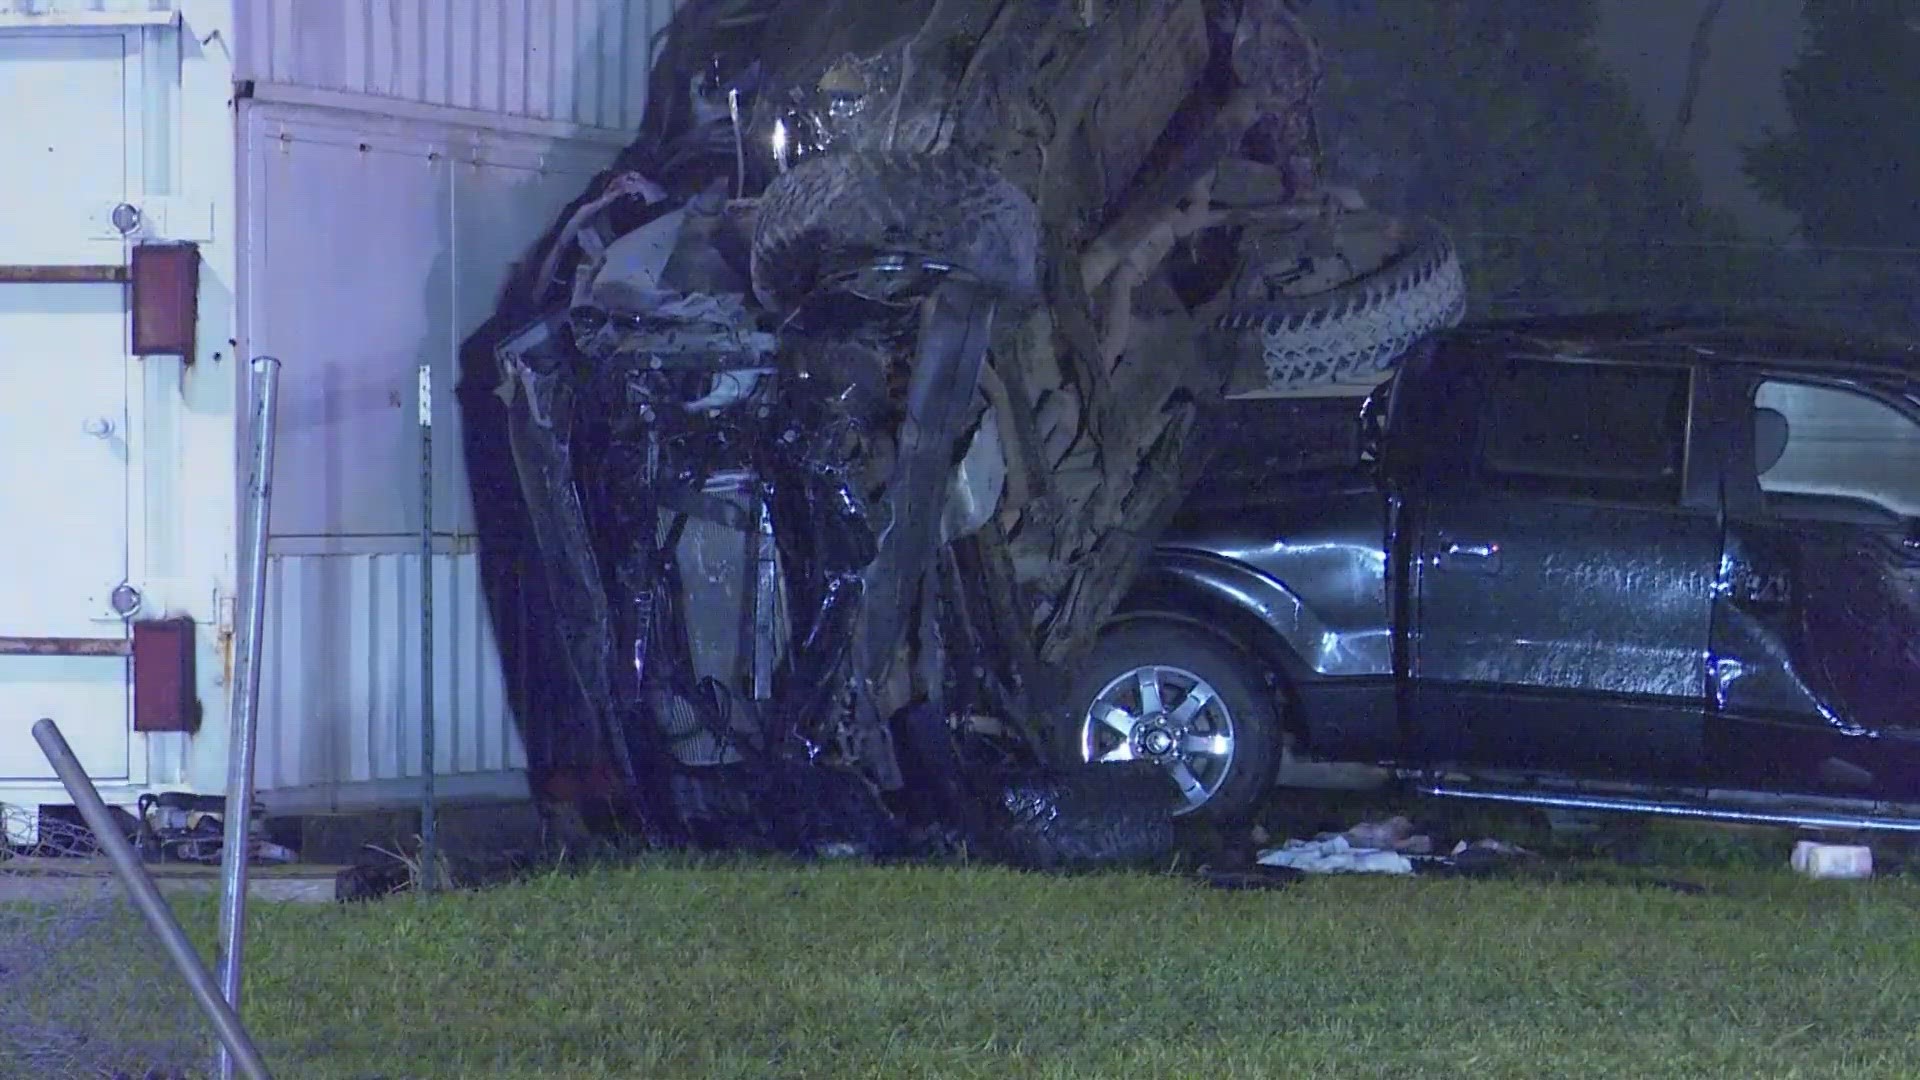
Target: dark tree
1851,165
1499,118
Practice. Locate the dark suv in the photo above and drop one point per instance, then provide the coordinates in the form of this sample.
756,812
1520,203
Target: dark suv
1607,564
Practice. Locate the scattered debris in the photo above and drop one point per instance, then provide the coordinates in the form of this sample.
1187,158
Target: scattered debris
1334,854
1485,855
843,365
1837,861
1391,846
1394,834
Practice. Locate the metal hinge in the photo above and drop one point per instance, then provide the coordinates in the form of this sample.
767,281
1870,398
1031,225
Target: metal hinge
225,615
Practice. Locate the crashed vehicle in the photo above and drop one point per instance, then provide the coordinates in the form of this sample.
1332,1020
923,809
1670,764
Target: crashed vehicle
1597,564
843,411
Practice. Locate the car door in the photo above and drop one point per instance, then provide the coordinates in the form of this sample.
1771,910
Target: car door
1563,578
1816,636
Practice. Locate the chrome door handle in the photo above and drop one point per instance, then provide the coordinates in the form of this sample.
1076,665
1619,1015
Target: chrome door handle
1481,554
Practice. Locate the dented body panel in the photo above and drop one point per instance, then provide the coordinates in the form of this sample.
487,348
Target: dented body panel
1680,630
1313,568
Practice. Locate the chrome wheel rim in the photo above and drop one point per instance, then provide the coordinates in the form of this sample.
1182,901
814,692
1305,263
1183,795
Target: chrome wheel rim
1168,716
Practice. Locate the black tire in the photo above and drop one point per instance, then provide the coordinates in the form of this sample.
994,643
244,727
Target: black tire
1035,816
841,205
1080,817
1360,328
1259,737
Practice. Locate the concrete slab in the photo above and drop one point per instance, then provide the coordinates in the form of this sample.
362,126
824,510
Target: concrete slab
25,880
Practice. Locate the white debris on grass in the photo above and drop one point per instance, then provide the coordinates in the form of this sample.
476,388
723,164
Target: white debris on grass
1492,847
1393,834
1844,861
1375,847
1334,855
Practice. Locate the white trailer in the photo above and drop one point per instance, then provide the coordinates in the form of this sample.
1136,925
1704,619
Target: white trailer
356,178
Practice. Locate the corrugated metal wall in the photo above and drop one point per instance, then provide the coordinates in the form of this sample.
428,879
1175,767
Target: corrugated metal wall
340,689
574,61
374,244
83,7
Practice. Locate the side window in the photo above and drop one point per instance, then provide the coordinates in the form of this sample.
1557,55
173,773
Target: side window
1833,454
1575,430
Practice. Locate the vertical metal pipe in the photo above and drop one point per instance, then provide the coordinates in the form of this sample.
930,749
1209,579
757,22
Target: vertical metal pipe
429,827
243,696
766,585
236,1045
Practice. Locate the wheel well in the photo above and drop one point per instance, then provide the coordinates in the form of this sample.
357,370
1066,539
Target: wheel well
1239,629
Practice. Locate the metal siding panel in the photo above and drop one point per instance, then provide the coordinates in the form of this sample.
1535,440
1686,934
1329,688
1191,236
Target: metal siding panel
611,32
281,60
340,667
409,49
293,709
392,643
347,276
320,45
515,44
341,675
463,23
382,27
361,628
271,756
567,36
540,57
489,63
451,695
437,33
573,61
642,25
55,8
356,46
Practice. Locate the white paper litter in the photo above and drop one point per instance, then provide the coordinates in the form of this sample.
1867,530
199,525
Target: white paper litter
1334,855
1372,847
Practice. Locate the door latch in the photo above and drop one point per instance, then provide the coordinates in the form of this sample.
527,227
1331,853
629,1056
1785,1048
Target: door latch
1483,555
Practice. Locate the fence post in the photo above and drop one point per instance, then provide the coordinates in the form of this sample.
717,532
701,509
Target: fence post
429,827
243,696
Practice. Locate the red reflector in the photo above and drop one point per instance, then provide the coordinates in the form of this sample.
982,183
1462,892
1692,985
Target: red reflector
165,299
164,697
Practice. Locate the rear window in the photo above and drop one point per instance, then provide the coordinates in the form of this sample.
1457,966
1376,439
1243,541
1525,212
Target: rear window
1846,456
1585,430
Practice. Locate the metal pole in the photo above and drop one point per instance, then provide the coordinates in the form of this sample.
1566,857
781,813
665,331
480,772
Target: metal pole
429,856
243,697
234,1039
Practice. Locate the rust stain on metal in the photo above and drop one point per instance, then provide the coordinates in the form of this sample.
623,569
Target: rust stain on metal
64,646
56,274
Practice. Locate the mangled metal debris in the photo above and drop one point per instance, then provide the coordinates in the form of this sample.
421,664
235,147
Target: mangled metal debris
906,301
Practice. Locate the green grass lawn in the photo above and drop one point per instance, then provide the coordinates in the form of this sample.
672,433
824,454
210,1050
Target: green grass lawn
758,971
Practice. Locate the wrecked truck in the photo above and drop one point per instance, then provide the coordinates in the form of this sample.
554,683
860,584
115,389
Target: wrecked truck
823,435
1666,567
